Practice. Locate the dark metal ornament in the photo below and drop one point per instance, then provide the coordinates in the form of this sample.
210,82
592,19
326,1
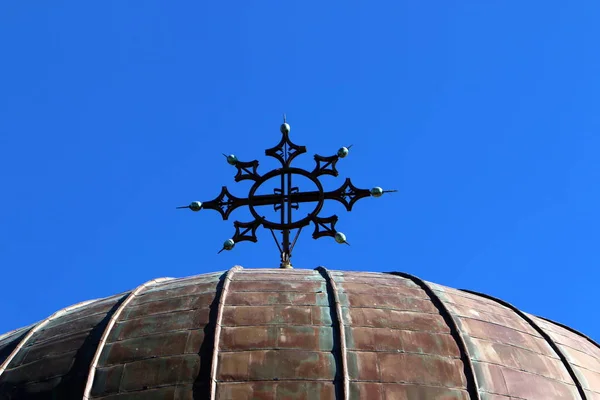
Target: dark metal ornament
286,198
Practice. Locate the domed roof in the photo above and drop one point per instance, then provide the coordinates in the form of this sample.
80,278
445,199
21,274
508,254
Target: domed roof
297,334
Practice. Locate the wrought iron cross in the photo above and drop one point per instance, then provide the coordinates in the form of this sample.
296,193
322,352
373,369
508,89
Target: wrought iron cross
286,198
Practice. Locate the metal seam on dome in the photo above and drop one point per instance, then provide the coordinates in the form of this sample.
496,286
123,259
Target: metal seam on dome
472,384
572,330
14,331
215,355
108,329
342,329
36,328
543,333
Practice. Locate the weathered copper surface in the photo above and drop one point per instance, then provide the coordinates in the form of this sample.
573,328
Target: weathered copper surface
280,337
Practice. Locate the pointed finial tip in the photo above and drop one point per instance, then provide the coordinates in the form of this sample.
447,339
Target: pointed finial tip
285,127
378,192
194,206
231,159
227,245
340,237
343,152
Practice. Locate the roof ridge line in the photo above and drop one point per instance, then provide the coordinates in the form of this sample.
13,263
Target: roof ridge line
543,333
108,329
21,328
342,329
36,328
215,354
471,376
572,330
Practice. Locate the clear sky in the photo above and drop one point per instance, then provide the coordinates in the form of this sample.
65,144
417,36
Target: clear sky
483,114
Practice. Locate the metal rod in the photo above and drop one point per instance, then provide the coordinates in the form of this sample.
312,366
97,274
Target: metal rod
289,207
276,241
285,251
296,237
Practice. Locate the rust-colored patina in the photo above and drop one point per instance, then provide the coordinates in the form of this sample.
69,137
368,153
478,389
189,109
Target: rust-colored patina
298,334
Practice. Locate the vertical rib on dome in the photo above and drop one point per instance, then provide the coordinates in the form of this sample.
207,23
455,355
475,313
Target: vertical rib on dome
472,385
215,355
36,328
342,331
109,326
542,333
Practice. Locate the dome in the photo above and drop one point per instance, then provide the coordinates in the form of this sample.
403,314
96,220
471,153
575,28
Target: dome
297,334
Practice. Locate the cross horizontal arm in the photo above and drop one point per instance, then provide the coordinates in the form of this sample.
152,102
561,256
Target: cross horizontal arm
272,199
348,194
226,203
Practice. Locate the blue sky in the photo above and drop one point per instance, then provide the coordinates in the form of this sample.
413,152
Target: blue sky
483,114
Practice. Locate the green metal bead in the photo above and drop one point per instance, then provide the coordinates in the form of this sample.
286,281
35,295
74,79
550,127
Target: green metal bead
232,159
377,191
343,152
340,237
285,128
229,244
195,205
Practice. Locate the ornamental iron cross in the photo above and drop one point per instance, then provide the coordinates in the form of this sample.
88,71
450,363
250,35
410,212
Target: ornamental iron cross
286,198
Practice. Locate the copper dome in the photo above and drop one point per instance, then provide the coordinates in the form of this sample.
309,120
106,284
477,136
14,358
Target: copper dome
297,334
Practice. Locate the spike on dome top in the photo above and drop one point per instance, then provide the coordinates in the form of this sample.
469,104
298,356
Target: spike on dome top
286,198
